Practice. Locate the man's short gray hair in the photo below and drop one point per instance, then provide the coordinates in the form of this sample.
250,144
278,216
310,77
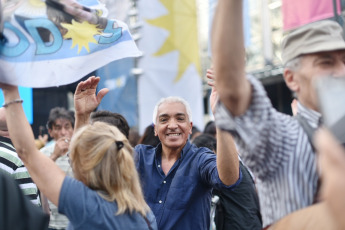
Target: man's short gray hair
171,100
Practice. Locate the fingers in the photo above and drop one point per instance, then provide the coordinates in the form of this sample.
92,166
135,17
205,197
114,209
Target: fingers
79,87
89,87
94,82
211,83
210,74
90,83
61,148
64,143
101,94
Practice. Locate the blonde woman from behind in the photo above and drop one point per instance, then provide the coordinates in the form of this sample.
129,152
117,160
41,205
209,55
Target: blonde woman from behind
105,193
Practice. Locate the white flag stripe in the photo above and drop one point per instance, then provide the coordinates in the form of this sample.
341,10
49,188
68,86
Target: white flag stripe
65,71
160,71
74,50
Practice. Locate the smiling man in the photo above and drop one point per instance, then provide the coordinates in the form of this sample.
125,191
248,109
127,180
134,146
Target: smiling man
178,177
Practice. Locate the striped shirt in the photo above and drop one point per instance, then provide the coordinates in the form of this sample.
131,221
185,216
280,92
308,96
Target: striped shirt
57,220
276,148
13,165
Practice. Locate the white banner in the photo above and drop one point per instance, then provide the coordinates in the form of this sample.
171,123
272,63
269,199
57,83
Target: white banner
171,61
59,44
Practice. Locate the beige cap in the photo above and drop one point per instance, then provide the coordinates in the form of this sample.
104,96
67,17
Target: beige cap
315,37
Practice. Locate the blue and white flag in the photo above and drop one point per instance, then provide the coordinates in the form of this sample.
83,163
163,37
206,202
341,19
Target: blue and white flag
57,42
171,63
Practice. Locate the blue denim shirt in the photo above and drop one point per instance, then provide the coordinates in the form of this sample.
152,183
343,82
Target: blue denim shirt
181,199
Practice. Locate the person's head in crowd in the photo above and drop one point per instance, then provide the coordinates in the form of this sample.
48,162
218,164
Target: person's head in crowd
149,138
134,136
60,123
195,132
111,118
311,51
172,118
206,140
102,158
210,128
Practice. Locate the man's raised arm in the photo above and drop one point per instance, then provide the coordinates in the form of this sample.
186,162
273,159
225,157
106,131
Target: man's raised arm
229,56
227,156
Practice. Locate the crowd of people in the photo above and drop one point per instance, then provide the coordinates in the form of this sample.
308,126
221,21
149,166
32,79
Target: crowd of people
253,167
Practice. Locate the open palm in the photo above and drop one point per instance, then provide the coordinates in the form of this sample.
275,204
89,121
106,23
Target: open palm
85,98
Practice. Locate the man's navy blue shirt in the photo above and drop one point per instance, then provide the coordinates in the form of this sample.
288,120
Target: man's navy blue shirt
181,199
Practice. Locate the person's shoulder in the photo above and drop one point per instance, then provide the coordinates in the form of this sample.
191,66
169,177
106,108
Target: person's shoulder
6,143
144,149
10,157
71,187
201,150
203,153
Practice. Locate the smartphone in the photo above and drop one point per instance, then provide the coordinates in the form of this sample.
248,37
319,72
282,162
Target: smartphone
331,95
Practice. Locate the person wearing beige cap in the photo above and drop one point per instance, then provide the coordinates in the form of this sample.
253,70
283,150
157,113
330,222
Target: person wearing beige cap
273,145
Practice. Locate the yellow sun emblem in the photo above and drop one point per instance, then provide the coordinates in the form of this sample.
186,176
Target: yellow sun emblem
181,22
81,34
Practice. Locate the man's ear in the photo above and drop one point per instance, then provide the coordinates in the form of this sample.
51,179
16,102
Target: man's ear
154,130
290,78
191,127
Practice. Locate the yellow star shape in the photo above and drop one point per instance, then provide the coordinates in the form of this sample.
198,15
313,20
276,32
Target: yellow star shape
181,22
81,34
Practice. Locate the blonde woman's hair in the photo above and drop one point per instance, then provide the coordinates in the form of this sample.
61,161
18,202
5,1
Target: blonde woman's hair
106,167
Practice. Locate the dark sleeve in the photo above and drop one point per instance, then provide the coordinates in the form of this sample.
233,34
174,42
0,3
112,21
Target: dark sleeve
16,210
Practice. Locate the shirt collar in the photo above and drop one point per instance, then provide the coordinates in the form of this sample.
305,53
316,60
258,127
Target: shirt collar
313,117
186,148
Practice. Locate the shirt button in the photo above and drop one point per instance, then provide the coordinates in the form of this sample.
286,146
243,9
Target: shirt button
160,201
164,182
159,166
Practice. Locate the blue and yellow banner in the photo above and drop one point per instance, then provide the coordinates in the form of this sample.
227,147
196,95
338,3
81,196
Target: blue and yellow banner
57,42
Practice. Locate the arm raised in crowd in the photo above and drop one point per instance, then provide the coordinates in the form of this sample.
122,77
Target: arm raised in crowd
43,171
86,100
227,155
229,56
